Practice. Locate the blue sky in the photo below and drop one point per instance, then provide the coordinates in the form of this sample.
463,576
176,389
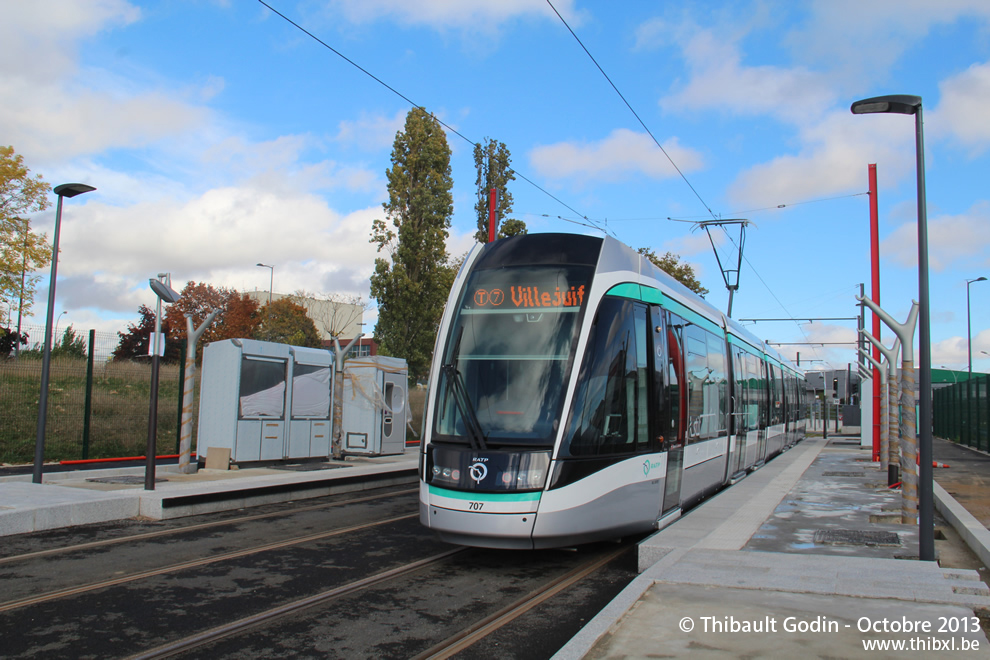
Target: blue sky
219,136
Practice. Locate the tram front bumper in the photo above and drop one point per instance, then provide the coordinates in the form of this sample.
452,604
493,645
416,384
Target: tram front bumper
487,520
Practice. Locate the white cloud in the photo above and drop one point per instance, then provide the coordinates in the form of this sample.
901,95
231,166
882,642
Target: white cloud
622,153
952,352
953,240
67,111
38,39
863,40
476,16
720,81
371,132
62,122
832,159
65,118
109,252
961,112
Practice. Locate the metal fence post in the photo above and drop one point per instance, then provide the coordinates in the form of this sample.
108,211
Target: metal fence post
88,405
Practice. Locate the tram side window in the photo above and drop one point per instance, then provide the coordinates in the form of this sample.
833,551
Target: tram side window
696,375
747,404
706,383
610,413
795,399
776,395
675,382
718,382
763,391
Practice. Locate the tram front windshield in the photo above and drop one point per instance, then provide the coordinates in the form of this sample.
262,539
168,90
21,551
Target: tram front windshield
508,355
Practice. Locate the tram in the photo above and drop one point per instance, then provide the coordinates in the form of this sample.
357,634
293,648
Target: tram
579,393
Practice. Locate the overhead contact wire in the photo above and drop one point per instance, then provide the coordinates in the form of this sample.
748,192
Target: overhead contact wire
416,105
633,111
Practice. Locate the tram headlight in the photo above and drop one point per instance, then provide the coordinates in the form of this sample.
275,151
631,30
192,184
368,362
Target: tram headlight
523,479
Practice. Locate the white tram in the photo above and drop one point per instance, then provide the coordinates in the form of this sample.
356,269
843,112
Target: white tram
579,393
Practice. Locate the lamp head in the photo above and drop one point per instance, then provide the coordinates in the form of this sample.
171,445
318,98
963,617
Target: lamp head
165,292
895,103
72,189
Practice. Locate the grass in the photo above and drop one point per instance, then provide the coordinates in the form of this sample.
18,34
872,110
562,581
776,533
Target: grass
120,406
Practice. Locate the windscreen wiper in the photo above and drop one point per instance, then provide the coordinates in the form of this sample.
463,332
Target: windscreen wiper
455,384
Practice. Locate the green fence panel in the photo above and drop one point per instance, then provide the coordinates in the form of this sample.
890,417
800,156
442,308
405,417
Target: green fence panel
117,406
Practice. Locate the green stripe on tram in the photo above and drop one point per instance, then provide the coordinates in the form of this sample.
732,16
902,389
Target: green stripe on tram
484,497
650,295
639,292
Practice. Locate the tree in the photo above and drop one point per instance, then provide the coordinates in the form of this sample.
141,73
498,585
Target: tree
512,227
412,284
681,271
237,317
493,163
71,345
285,322
134,343
9,339
21,251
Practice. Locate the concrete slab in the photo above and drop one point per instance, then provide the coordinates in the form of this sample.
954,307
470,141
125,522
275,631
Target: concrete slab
749,557
28,507
679,620
73,498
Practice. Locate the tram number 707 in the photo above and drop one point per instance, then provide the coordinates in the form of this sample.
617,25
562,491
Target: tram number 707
475,506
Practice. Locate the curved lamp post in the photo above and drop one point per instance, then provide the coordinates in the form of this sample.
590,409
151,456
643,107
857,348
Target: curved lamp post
63,190
904,104
271,282
57,320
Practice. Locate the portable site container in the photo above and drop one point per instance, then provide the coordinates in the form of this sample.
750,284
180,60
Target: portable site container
375,405
265,401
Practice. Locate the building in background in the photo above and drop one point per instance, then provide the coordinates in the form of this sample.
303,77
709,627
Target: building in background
333,316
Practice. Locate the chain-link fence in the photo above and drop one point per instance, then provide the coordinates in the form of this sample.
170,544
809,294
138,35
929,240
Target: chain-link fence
97,407
961,413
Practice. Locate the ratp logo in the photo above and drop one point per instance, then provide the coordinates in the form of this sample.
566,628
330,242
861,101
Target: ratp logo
648,466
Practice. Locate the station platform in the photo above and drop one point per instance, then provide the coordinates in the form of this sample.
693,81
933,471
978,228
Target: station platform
805,557
82,497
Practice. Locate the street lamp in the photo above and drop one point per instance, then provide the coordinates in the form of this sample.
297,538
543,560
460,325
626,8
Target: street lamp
271,282
163,289
63,190
55,334
969,331
911,105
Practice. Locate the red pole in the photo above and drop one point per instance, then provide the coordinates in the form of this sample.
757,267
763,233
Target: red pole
875,272
492,197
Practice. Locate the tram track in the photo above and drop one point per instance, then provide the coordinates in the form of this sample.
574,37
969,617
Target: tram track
209,636
157,534
174,568
447,648
471,635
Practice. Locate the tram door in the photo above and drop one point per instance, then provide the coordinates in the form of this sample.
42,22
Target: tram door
668,332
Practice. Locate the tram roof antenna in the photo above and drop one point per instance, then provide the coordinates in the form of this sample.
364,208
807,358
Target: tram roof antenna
729,275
